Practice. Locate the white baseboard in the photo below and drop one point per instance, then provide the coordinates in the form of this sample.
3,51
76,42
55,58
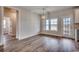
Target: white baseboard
52,34
24,37
1,44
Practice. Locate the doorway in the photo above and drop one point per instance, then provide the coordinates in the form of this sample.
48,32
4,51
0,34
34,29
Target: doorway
7,26
9,23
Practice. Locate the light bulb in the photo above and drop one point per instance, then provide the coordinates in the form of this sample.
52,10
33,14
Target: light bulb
43,17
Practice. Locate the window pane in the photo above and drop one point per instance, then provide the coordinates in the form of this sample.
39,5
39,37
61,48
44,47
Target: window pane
67,21
47,22
47,25
66,26
54,28
53,23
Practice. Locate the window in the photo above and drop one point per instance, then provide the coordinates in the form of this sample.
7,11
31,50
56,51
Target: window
53,24
66,26
47,25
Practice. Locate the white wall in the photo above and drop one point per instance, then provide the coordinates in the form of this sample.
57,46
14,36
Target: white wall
28,24
0,26
60,15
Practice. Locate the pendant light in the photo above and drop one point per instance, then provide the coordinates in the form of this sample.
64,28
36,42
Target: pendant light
43,15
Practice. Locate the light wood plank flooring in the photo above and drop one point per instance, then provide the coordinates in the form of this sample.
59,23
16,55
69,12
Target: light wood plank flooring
40,43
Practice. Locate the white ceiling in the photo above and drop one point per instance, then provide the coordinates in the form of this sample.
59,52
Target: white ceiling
39,9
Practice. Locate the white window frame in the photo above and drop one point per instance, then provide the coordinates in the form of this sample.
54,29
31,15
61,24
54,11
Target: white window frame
54,24
47,24
65,28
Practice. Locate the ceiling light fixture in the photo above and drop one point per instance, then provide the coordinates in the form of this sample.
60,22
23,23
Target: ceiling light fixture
43,15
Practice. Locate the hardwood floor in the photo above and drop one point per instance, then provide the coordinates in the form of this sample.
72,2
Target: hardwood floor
40,43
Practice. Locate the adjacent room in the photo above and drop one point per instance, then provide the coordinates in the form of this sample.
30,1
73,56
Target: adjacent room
39,28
